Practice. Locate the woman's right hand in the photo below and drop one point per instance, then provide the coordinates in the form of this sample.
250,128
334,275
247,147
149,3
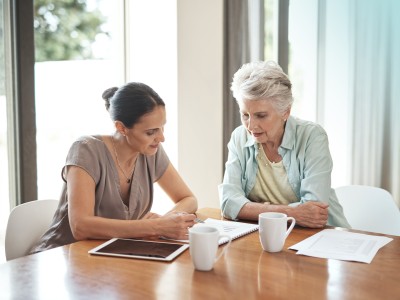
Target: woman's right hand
175,225
313,214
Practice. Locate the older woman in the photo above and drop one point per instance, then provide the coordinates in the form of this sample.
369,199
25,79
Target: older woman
276,162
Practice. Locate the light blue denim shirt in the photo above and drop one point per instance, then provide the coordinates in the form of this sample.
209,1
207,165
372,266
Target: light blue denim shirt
306,158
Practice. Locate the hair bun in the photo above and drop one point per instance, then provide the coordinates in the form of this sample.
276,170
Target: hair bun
107,95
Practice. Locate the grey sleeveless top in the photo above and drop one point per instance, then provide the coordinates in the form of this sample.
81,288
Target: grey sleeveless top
91,154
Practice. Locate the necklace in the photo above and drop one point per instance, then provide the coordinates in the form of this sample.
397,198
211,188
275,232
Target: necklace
128,179
261,148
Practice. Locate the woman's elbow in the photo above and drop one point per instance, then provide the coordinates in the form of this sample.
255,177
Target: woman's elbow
225,210
79,231
194,205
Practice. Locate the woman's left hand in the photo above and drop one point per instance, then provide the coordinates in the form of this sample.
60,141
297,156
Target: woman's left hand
313,214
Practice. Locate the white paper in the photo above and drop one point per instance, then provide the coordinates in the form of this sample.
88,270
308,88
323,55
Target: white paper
342,245
231,228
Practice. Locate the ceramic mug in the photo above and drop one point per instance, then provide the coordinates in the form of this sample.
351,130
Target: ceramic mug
203,246
273,230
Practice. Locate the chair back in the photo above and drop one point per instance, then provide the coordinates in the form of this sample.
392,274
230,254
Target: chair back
26,224
369,208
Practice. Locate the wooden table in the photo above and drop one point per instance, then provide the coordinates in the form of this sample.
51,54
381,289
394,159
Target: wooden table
245,272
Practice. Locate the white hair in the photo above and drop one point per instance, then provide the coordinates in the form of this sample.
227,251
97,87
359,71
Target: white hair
263,81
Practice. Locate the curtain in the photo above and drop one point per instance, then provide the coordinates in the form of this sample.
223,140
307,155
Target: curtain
243,42
375,46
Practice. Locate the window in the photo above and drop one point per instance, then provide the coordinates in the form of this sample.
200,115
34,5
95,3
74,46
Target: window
303,56
271,30
69,88
70,77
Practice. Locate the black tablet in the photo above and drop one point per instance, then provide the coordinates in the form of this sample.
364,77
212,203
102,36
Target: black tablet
131,248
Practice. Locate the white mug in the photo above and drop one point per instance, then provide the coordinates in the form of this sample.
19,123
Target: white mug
203,242
273,230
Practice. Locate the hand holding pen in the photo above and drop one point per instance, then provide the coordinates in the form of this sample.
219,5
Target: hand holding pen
175,224
197,220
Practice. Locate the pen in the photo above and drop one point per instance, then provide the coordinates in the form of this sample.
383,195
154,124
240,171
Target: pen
197,220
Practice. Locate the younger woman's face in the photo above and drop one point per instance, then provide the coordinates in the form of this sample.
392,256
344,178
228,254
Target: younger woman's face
146,135
262,121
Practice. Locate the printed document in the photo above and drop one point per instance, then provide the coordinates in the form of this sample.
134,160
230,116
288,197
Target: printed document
342,245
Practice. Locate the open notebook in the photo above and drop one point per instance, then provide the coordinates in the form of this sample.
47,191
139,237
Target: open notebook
231,228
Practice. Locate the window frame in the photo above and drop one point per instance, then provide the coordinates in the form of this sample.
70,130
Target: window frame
20,101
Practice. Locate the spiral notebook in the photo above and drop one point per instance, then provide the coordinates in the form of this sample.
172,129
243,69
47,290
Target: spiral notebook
231,228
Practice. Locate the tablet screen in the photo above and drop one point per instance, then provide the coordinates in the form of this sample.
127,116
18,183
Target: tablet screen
131,248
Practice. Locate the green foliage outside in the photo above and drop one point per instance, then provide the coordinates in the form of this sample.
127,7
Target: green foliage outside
65,29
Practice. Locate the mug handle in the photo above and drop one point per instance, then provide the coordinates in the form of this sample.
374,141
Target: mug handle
226,246
291,225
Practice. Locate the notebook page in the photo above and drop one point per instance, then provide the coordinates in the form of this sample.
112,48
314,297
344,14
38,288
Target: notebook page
231,228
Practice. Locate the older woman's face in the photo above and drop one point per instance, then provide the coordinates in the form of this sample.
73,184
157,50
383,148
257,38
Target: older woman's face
262,120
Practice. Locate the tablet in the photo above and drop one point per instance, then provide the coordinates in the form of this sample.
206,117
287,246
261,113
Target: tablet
131,248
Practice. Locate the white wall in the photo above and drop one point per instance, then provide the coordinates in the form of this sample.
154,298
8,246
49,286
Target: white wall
200,57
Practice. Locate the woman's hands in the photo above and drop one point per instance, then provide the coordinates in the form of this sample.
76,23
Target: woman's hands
174,224
313,214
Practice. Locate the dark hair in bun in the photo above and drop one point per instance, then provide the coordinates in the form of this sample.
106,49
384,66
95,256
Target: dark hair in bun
107,94
130,102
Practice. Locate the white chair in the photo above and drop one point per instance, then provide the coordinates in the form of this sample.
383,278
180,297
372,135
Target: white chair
369,208
26,224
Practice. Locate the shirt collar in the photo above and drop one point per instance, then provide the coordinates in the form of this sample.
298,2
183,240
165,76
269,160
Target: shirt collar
288,136
250,139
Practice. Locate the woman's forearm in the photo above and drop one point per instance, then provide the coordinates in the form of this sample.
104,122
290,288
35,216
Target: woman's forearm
312,214
94,227
251,210
187,204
